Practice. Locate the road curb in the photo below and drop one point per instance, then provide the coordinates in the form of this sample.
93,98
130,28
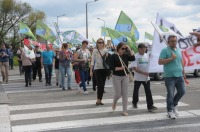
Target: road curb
4,111
3,96
4,118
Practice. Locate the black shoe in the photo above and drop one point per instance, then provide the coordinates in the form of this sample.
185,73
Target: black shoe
152,108
40,80
30,83
101,103
69,88
135,106
88,82
63,88
26,85
57,84
50,84
60,86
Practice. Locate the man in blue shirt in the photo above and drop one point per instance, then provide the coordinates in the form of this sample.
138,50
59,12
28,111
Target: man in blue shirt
4,62
47,58
171,59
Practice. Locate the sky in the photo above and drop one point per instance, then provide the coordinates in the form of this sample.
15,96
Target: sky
184,14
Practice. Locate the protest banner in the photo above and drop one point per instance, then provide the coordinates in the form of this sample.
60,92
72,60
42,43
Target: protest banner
191,53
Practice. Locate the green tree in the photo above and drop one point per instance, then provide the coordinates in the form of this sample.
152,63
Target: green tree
11,13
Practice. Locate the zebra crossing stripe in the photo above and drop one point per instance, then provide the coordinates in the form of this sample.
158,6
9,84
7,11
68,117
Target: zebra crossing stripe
49,88
97,122
73,103
39,115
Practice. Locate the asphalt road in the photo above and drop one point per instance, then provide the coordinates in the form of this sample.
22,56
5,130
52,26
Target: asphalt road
48,108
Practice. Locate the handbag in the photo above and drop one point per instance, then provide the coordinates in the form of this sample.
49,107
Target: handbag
105,64
131,78
82,65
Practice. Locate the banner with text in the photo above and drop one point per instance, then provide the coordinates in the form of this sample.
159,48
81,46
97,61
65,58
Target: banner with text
191,54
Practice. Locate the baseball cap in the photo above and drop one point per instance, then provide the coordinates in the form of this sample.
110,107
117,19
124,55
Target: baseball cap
141,45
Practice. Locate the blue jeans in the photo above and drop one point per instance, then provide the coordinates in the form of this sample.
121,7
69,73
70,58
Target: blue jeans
63,71
84,77
48,72
171,83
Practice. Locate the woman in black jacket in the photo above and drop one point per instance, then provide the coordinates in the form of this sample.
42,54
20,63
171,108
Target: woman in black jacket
120,77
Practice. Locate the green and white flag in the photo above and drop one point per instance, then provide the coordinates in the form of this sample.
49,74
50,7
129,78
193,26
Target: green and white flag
24,29
45,32
126,26
148,36
104,32
73,37
118,37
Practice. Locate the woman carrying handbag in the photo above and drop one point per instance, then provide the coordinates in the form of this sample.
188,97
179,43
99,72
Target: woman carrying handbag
99,70
120,75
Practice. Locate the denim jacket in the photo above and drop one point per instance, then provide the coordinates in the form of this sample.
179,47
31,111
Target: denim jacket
5,58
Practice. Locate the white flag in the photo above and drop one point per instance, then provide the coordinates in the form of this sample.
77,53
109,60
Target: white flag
164,31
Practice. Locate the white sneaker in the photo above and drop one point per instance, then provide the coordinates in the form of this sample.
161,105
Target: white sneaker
85,92
176,111
171,115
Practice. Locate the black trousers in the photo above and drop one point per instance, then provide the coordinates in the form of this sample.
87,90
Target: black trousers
27,70
101,80
94,81
11,63
37,70
89,77
147,89
21,69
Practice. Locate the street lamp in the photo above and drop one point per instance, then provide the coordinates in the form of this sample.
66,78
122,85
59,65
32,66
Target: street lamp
87,17
104,26
60,16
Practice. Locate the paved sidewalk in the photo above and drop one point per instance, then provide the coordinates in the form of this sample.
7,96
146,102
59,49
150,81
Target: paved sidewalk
4,119
4,101
3,96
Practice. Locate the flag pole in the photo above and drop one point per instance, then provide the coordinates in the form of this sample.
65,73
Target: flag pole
160,34
57,33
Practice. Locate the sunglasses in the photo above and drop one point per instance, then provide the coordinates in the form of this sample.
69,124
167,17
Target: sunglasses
100,42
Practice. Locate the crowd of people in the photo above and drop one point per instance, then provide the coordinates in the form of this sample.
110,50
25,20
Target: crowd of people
88,63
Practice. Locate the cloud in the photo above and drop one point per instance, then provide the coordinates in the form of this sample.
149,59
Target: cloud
187,2
184,14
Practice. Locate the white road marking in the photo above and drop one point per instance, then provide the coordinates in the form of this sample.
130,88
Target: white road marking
48,88
96,122
196,112
73,103
38,115
163,128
